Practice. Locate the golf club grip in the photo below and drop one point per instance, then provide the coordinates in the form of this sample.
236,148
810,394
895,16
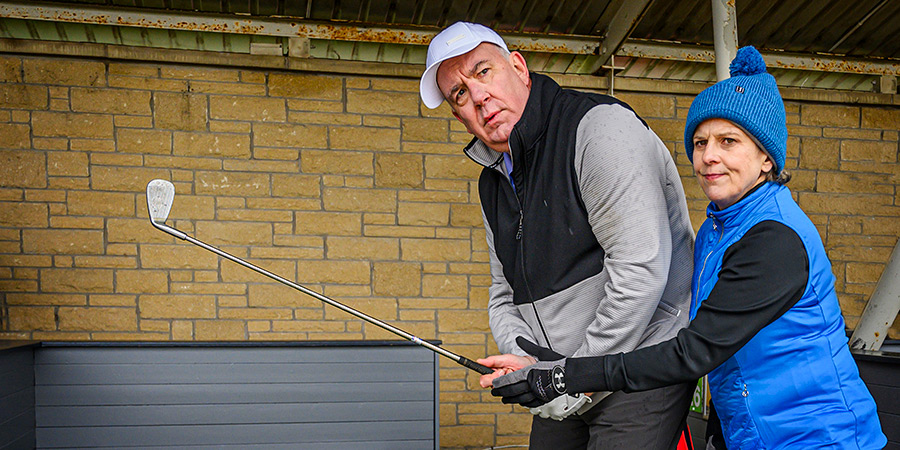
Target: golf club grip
484,370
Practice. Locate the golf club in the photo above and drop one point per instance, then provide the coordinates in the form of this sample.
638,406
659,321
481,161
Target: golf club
160,196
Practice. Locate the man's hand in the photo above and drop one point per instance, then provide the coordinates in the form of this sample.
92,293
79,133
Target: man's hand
502,365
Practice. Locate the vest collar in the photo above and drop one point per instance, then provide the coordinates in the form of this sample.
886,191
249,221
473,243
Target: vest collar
743,206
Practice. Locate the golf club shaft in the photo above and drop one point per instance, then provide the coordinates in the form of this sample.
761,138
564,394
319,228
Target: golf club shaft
484,370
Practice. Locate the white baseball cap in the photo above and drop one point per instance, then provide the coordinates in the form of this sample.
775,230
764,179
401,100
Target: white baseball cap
457,39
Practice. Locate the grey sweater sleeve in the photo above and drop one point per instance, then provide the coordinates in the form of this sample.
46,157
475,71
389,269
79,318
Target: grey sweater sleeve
622,173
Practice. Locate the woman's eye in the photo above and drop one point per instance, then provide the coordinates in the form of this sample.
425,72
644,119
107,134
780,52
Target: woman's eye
699,143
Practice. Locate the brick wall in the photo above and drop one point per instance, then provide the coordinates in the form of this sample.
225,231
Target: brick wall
344,183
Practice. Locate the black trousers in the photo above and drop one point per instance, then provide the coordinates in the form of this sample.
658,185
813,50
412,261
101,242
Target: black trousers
651,420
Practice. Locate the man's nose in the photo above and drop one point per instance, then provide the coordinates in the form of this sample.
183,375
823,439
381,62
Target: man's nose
479,94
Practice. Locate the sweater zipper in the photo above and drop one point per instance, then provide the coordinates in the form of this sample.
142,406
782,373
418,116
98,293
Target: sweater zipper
721,230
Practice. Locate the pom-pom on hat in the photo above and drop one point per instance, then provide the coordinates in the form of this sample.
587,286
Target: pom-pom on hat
749,99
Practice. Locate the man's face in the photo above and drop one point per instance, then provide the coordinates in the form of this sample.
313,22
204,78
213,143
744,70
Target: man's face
487,91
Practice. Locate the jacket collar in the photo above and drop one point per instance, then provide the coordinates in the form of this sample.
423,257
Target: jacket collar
745,205
527,131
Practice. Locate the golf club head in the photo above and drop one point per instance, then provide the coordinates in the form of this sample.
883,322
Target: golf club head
160,195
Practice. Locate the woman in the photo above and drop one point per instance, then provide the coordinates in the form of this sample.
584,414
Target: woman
766,324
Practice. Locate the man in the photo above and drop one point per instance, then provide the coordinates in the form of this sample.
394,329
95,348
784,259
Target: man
588,230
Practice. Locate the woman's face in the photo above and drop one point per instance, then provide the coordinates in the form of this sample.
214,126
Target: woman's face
727,162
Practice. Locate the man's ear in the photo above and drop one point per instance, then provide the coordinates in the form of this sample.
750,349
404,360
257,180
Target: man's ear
520,67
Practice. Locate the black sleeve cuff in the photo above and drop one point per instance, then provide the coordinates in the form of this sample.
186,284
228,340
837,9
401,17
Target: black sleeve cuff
585,374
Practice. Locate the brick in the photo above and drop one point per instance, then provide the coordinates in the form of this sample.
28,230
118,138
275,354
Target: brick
829,115
23,215
217,87
650,105
851,182
454,167
69,242
195,207
315,105
110,101
73,164
398,170
883,152
455,286
336,162
436,148
130,179
15,136
24,96
883,118
200,73
45,299
383,308
232,183
382,103
362,248
180,111
92,145
852,133
142,281
72,125
247,108
97,319
231,272
397,278
818,153
139,141
10,70
235,233
415,129
76,280
32,318
323,118
220,330
327,223
177,306
316,87
466,215
22,169
340,272
25,260
432,196
429,214
467,435
155,256
434,250
295,185
256,165
67,72
364,138
289,135
211,144
864,272
84,203
341,199
269,295
255,314
113,300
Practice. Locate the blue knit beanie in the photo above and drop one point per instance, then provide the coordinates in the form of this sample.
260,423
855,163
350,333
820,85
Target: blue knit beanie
749,99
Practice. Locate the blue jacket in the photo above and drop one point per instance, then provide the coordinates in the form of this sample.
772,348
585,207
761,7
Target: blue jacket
794,384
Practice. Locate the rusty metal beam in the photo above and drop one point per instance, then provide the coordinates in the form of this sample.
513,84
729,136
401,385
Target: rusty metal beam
818,62
622,24
219,23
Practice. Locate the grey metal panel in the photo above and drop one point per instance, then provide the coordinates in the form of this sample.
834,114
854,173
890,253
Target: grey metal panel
181,435
219,414
192,394
272,397
75,374
16,399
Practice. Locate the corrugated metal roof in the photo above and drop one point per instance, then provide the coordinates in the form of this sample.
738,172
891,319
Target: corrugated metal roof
822,31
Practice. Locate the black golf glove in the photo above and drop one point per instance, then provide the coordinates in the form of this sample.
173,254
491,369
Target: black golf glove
536,384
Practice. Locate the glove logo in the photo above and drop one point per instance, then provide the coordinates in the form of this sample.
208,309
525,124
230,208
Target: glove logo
559,380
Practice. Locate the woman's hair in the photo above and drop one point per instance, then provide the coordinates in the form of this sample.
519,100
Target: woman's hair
781,178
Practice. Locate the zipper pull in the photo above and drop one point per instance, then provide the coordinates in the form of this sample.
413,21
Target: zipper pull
521,218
